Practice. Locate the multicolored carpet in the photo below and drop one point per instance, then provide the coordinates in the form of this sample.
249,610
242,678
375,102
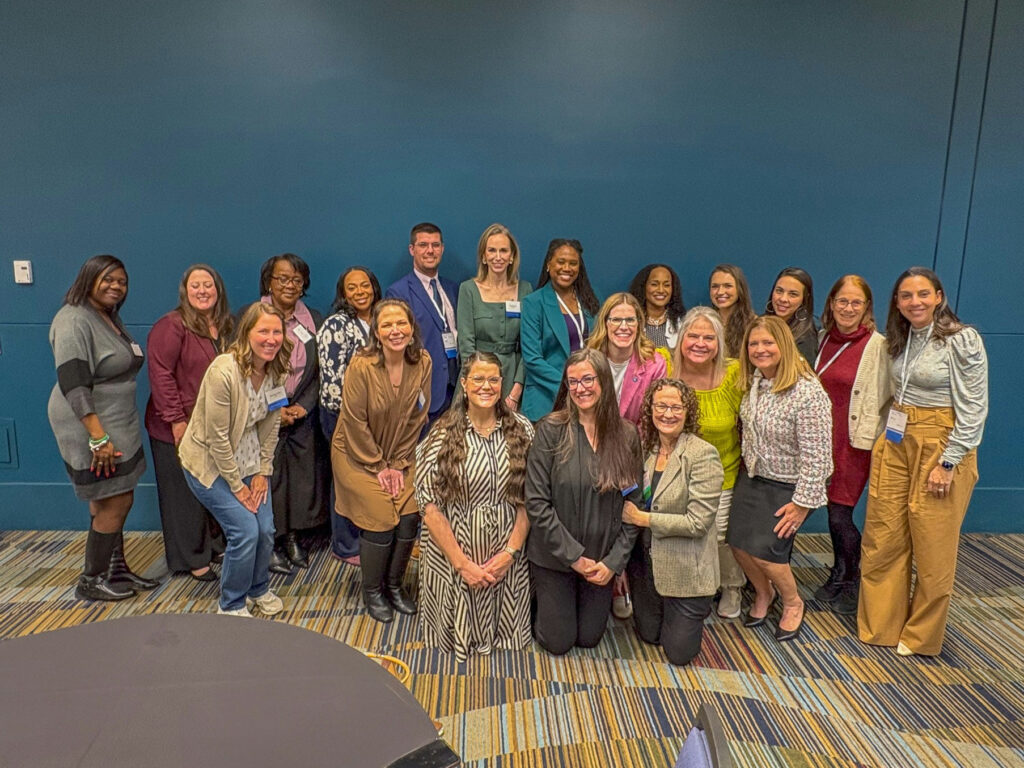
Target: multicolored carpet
823,700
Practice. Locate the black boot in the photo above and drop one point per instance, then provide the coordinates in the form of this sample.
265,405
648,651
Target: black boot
279,562
120,573
373,562
846,603
93,583
294,550
833,585
396,574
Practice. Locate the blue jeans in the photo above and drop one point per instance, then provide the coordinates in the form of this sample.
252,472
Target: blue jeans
250,537
344,533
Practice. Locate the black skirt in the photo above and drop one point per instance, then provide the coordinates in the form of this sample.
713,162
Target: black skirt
755,500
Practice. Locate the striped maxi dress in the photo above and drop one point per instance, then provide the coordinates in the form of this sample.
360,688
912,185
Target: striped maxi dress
452,616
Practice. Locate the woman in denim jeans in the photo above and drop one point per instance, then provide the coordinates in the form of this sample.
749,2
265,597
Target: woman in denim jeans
227,454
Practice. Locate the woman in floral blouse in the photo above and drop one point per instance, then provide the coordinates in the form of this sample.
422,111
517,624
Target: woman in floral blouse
339,337
787,448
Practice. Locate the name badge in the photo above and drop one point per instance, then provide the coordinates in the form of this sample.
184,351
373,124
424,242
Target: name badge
302,334
421,401
136,349
450,350
896,426
511,309
276,398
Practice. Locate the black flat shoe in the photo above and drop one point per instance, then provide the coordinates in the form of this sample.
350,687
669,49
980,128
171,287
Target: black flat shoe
209,575
218,558
783,635
279,563
99,588
295,552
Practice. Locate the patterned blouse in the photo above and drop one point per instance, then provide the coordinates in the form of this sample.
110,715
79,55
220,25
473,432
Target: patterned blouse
787,436
336,341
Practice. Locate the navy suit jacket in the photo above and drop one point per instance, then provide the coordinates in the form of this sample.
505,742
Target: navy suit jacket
410,290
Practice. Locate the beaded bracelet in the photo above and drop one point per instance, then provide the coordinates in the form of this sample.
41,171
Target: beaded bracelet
95,445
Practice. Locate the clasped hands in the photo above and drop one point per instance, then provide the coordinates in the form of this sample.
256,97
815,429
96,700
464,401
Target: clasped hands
487,574
292,413
593,571
253,495
392,482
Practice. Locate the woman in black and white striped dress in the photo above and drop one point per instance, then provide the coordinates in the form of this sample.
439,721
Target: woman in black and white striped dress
470,472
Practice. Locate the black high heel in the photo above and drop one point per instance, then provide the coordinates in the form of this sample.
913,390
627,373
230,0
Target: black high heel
757,621
782,635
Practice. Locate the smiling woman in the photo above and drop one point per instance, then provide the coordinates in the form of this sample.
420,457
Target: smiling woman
93,416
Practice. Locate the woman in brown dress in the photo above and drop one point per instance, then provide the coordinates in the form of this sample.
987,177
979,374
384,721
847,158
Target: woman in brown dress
384,406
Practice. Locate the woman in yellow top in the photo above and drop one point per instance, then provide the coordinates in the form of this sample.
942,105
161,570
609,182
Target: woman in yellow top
701,363
384,405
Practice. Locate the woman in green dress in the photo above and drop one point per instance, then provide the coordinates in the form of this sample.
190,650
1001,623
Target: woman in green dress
487,318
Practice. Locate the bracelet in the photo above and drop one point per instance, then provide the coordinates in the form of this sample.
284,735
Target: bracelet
95,445
513,553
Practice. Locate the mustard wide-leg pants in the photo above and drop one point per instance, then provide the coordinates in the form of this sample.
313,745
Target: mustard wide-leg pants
906,525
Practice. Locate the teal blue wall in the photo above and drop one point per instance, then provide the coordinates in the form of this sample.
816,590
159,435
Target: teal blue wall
856,136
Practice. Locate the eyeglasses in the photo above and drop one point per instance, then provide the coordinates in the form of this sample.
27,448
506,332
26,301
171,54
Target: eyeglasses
585,381
672,408
853,304
629,322
479,381
285,281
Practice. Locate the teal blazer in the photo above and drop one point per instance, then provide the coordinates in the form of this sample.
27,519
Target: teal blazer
544,340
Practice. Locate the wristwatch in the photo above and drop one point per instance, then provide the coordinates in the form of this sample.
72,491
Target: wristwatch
514,553
948,466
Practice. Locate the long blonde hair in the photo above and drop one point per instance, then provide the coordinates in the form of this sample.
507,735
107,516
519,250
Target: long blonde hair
241,350
792,366
643,348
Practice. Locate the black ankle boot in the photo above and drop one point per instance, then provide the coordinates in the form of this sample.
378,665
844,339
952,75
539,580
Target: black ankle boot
833,585
396,574
93,583
298,556
373,562
120,573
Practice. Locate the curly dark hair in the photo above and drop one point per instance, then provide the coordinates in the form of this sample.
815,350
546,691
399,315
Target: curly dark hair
897,327
451,428
588,299
267,272
648,432
373,346
638,287
341,303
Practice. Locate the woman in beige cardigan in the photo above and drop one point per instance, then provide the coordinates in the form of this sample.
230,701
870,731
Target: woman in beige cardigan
674,574
227,454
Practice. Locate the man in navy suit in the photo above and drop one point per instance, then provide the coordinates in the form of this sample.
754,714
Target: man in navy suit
433,299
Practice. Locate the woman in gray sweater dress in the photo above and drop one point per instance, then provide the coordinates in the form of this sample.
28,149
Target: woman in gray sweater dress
93,416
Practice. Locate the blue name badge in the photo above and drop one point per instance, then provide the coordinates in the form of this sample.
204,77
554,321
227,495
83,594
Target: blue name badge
896,426
276,398
451,350
512,309
627,491
421,401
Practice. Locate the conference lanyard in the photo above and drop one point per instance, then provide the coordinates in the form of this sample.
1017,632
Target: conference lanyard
832,360
580,322
904,374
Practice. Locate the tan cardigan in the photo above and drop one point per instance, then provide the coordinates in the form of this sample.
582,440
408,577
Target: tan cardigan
872,393
217,424
684,537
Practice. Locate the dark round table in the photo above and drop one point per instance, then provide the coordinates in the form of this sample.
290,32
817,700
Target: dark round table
205,690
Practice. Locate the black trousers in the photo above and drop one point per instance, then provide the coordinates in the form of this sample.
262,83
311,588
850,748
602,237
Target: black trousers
675,622
570,610
191,536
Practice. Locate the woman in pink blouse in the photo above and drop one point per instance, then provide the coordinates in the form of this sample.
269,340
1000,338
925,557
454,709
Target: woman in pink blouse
787,448
181,346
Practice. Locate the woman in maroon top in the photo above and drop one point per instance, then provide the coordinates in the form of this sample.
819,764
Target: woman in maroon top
181,346
854,370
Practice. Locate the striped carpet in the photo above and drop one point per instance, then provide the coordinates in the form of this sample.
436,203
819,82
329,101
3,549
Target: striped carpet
824,700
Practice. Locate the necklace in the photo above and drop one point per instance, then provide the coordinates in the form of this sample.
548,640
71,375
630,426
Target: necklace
484,431
660,321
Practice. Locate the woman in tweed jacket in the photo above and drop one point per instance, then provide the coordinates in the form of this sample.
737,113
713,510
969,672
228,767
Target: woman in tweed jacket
674,572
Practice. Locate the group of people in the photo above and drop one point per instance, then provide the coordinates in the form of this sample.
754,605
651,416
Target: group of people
567,458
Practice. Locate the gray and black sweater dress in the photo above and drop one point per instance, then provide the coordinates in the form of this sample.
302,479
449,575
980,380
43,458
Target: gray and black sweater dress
96,370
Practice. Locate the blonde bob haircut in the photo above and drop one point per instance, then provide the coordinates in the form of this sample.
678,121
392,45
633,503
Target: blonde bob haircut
241,350
643,348
512,270
712,318
792,366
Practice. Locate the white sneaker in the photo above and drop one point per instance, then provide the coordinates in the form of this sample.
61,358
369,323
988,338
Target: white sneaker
243,611
903,650
729,605
268,603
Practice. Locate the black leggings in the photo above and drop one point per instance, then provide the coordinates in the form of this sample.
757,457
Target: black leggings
676,622
407,528
570,610
845,541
